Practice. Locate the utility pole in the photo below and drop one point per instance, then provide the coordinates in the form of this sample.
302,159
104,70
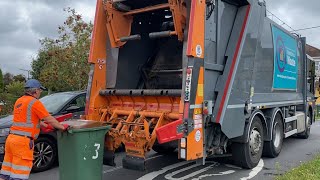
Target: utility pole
26,71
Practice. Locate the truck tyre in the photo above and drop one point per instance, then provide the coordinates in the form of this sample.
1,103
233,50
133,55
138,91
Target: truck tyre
248,155
306,133
273,148
165,148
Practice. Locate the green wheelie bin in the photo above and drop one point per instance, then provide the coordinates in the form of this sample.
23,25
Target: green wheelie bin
80,150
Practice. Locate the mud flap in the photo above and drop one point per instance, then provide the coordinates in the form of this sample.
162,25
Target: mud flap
134,163
108,158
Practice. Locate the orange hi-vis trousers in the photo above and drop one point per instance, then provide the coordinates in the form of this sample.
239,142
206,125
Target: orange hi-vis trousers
18,158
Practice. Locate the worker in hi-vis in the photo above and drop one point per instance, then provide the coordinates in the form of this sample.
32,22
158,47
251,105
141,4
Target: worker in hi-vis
27,113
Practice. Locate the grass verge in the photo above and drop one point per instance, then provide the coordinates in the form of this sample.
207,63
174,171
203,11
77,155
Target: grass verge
309,170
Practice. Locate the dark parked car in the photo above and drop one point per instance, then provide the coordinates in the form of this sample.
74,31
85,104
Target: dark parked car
45,150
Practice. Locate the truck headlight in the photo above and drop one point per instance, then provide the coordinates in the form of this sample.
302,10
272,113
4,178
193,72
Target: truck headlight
4,132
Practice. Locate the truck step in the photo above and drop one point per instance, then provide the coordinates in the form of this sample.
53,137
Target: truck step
134,163
290,133
289,119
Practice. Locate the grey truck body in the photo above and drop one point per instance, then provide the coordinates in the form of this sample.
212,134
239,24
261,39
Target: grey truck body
252,76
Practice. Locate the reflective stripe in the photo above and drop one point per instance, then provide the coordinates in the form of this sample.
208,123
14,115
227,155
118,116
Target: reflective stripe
22,168
20,124
4,172
16,167
6,164
20,176
28,123
22,133
29,111
36,136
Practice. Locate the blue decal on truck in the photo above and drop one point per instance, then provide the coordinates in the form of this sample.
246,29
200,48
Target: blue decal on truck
285,60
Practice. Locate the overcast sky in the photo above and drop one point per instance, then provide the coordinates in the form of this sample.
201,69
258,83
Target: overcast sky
24,22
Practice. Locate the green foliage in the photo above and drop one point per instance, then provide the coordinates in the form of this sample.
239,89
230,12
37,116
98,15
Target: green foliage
1,82
38,63
8,100
13,91
19,78
61,64
7,79
16,88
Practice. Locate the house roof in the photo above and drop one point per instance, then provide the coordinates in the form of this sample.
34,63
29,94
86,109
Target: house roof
312,51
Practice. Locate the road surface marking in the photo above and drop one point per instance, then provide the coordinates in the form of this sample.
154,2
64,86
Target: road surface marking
170,176
111,170
220,174
255,170
154,174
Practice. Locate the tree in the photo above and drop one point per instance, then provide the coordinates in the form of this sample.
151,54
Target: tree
16,88
19,78
61,63
1,82
7,79
39,62
8,100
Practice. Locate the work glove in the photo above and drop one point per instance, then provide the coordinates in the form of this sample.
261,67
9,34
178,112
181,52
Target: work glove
66,127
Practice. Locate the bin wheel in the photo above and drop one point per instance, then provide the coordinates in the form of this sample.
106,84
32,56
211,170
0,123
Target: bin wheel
248,155
45,154
273,148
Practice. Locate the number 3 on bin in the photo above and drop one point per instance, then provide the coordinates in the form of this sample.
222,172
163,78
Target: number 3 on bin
97,154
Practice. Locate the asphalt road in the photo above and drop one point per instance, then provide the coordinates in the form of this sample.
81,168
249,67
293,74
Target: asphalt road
294,152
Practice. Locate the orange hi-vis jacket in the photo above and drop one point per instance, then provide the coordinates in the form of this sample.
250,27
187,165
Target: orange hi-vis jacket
27,113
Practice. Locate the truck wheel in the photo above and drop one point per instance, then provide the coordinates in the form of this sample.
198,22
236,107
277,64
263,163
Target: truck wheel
306,133
273,148
165,148
248,155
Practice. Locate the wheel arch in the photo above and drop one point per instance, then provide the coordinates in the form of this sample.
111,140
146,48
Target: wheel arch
270,117
259,114
49,136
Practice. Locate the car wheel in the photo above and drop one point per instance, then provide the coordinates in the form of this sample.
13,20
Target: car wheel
45,154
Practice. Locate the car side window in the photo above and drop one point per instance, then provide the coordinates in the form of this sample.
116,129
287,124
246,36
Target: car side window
79,101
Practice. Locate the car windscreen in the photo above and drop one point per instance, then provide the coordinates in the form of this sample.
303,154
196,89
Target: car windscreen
55,101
